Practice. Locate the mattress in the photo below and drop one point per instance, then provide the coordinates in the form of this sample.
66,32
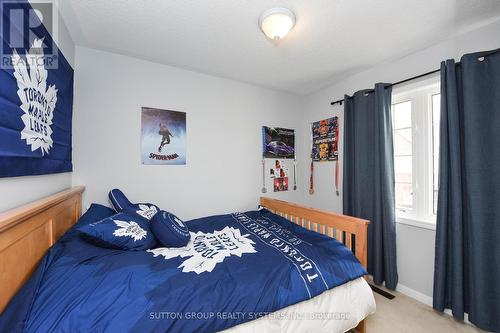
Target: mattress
336,310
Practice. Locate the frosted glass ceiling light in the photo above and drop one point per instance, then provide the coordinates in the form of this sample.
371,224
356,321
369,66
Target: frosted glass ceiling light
277,22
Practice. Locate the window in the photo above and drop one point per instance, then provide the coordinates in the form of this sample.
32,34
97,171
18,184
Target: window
403,157
436,112
415,115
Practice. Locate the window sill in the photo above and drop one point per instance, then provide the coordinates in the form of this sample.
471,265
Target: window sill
416,223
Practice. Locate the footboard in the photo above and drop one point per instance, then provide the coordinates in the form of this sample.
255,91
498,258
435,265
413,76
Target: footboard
351,231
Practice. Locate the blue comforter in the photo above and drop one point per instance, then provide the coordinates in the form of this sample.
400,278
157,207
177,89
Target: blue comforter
236,268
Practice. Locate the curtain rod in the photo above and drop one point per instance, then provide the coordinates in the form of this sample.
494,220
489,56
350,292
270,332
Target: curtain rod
480,55
340,101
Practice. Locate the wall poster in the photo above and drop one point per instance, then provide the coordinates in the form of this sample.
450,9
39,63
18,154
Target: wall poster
279,173
280,184
325,140
278,142
163,137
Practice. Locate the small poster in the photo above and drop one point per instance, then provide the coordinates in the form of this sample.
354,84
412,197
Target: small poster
280,184
279,169
279,173
278,142
325,140
163,137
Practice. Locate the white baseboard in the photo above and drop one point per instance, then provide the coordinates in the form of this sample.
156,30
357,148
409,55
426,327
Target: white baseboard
423,298
427,300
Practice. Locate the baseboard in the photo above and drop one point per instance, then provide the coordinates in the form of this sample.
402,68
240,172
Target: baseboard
422,298
427,300
416,295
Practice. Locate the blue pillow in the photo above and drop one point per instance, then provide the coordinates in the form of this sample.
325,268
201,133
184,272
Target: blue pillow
120,231
95,213
170,230
121,203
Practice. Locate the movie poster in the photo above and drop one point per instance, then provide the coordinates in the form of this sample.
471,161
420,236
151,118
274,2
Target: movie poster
163,137
325,140
278,142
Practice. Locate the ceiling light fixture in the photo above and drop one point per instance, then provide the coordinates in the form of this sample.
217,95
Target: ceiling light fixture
277,22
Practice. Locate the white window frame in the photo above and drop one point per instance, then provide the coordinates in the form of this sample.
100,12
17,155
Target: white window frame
420,94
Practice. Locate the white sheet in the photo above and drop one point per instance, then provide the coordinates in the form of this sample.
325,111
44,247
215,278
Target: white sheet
336,310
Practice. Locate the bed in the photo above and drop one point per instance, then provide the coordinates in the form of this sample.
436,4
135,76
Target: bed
26,233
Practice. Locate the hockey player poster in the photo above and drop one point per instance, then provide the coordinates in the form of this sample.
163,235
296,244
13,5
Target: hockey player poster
163,137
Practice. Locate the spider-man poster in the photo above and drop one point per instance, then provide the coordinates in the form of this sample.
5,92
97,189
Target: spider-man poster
325,140
163,136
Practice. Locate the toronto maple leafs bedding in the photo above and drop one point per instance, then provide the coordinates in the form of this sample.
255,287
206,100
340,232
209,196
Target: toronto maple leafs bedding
235,268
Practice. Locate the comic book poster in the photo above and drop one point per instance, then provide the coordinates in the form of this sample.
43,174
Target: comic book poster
163,137
325,140
278,142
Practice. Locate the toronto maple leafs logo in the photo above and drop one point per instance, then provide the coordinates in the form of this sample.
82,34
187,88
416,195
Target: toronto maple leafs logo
129,229
147,211
38,101
206,250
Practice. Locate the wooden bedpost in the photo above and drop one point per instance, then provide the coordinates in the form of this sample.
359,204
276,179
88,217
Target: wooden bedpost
361,328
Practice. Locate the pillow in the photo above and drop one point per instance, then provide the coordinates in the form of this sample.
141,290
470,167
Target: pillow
95,213
170,230
121,203
120,231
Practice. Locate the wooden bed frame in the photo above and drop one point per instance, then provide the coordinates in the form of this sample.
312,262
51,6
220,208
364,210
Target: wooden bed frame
27,232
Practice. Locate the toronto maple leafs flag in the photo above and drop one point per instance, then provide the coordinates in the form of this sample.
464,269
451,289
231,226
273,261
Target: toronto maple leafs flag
36,96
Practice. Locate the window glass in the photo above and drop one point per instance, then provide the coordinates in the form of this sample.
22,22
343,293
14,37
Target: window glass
436,113
416,118
403,157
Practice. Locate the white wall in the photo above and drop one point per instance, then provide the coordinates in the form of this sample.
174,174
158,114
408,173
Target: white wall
415,245
224,119
17,191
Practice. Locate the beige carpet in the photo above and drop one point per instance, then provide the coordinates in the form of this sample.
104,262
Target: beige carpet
404,314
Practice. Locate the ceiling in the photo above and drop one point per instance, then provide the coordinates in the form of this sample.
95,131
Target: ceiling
332,38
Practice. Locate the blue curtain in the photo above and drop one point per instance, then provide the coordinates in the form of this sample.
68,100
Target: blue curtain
369,176
467,263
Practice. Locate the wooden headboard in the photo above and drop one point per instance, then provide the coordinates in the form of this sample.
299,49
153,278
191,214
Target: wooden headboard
28,231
